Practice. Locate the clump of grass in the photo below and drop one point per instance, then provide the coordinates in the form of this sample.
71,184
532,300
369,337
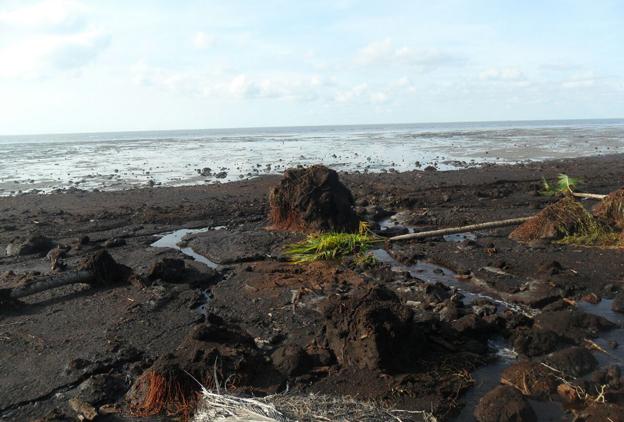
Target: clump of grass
332,246
586,230
565,184
594,235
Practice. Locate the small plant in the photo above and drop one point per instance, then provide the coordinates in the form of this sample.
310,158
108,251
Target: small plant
565,185
330,246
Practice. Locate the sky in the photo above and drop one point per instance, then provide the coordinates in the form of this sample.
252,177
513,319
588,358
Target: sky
108,65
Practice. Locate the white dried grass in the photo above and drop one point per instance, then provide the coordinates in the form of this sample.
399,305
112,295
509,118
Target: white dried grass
221,407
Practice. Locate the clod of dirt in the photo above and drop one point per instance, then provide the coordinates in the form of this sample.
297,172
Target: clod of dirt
291,360
573,362
213,354
611,209
105,269
618,303
170,270
503,404
372,329
596,412
7,303
31,245
310,200
572,324
532,379
536,342
564,217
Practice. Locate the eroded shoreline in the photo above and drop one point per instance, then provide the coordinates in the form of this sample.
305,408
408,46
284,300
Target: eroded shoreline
107,338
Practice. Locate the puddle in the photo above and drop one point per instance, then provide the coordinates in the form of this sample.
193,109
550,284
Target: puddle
603,309
171,240
459,237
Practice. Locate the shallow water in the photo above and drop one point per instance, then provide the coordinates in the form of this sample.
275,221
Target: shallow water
113,161
172,239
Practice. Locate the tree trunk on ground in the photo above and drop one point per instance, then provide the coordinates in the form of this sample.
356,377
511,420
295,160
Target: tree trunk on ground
462,229
51,282
596,196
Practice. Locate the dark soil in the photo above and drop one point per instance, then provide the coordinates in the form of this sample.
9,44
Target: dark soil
261,324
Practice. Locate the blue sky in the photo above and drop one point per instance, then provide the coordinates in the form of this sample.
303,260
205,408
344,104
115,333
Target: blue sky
89,65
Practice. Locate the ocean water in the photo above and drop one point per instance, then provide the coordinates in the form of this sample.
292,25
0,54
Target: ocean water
121,160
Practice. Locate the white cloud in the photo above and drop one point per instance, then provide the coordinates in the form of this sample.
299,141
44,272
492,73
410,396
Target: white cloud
502,74
299,87
48,36
386,53
204,40
47,14
585,79
36,56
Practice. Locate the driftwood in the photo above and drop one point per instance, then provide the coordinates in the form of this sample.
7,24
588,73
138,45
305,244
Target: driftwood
51,282
97,269
462,229
596,196
483,226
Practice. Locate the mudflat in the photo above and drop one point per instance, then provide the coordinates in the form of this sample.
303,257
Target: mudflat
410,331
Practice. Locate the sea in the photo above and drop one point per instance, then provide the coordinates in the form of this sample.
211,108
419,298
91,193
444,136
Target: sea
123,160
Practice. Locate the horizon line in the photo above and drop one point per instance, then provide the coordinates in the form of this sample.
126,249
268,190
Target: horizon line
308,126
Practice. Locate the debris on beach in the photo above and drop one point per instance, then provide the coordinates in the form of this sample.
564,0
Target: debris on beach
563,218
312,200
372,329
611,209
213,355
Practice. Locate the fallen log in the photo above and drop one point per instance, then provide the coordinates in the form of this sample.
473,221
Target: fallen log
98,269
596,196
462,229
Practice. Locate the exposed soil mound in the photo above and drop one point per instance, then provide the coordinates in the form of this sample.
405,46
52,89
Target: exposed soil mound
372,330
36,244
215,354
106,270
611,209
312,199
504,404
564,217
532,379
572,324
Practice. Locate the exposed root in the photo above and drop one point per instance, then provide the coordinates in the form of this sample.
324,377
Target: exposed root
314,200
567,222
290,408
611,209
173,394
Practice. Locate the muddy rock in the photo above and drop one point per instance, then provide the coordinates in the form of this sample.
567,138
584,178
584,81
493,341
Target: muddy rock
106,270
599,412
611,209
114,242
566,216
504,404
574,361
532,379
312,199
537,342
212,353
291,360
373,330
31,245
101,389
618,303
239,245
572,324
171,270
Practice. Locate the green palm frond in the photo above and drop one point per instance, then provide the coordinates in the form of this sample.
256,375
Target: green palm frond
564,184
331,246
